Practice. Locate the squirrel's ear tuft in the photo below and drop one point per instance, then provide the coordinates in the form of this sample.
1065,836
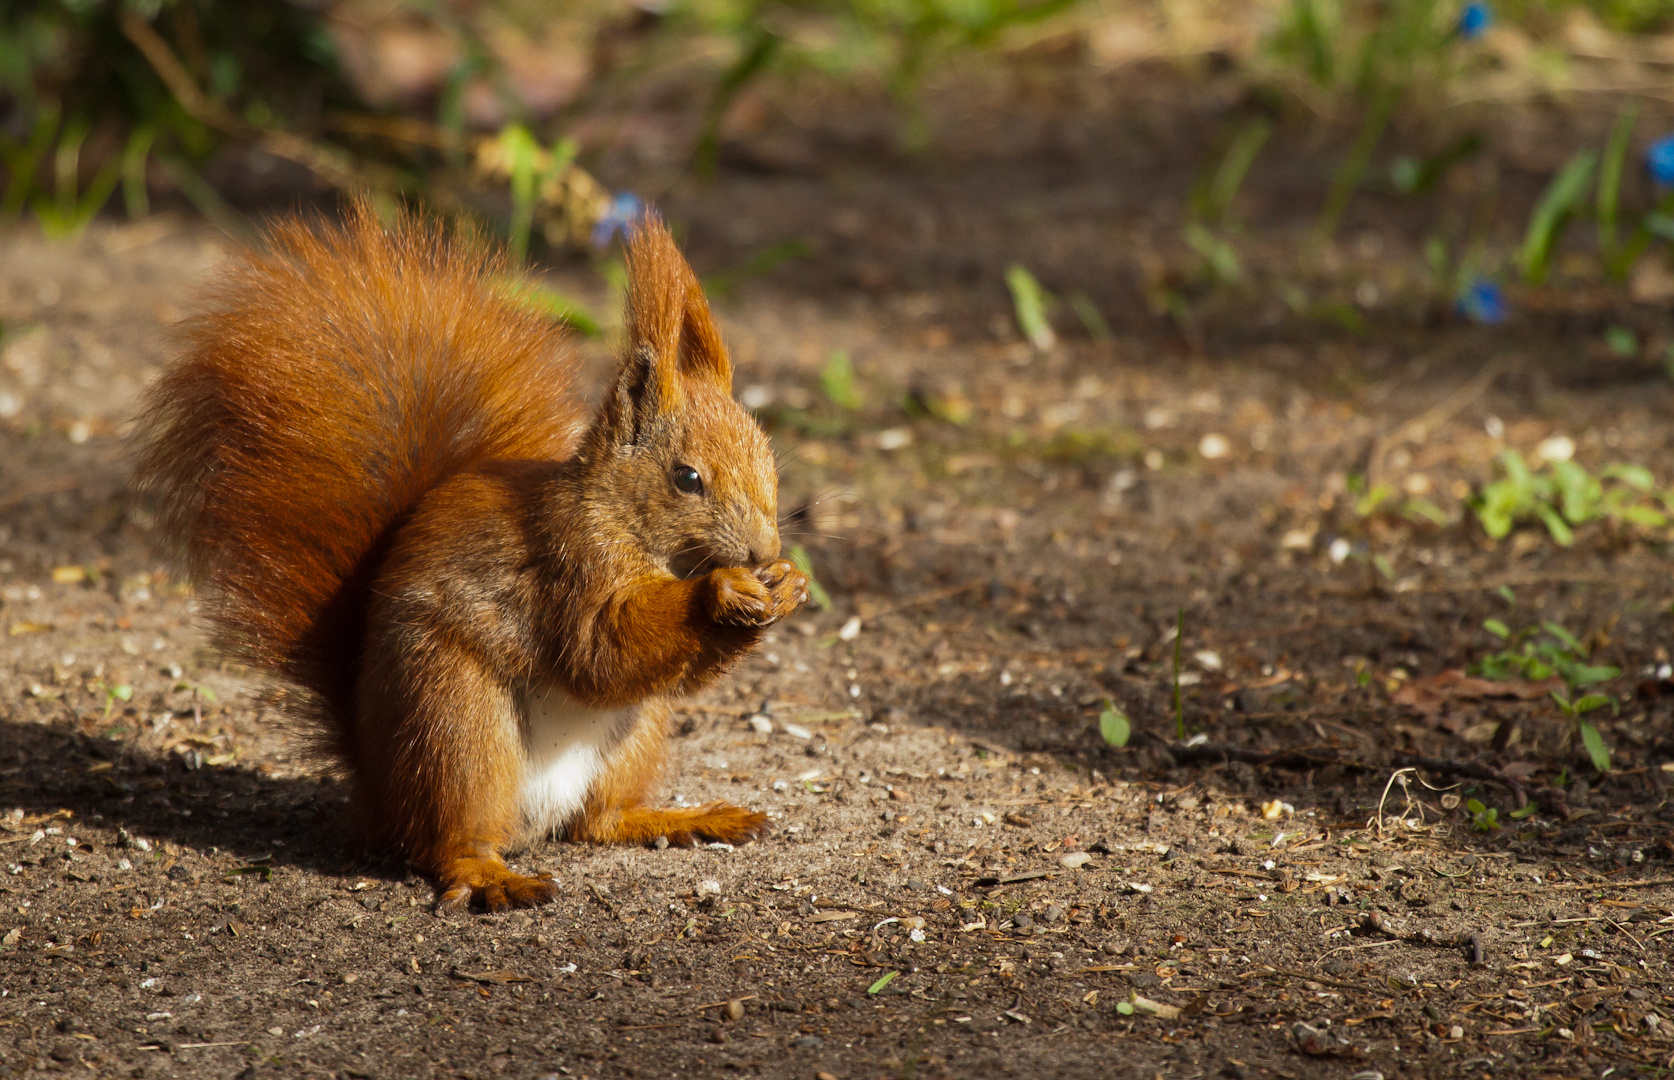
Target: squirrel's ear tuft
667,312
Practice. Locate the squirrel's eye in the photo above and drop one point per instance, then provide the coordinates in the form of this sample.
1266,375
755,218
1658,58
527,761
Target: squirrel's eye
687,480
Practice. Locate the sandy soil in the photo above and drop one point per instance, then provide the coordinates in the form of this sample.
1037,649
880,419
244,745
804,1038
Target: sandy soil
963,878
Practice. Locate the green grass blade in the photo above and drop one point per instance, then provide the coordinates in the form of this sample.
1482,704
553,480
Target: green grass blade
1546,225
547,301
1030,302
1090,317
1353,168
1234,167
1594,742
134,194
22,163
1610,182
816,591
757,265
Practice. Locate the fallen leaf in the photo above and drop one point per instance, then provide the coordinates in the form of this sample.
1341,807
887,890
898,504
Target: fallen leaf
490,977
1158,1009
1432,694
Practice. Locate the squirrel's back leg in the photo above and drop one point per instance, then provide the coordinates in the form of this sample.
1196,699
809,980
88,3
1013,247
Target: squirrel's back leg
438,763
615,811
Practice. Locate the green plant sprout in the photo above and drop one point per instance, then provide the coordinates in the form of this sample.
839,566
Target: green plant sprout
1369,501
1114,725
23,160
1553,651
1564,495
816,592
1541,654
1565,196
837,381
68,211
1621,342
1091,318
138,152
1416,176
1589,735
113,694
1210,206
1030,302
1484,819
531,167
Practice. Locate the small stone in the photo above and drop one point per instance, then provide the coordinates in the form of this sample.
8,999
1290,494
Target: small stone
1075,860
761,724
660,843
717,1036
733,1010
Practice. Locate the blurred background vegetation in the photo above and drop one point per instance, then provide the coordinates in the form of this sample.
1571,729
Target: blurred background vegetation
516,112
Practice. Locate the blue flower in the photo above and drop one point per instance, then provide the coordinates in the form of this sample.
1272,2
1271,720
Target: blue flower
1475,19
623,209
1659,158
1482,302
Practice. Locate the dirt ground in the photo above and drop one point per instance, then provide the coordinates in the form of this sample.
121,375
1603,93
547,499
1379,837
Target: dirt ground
962,878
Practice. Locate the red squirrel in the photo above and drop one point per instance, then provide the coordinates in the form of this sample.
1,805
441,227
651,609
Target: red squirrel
390,495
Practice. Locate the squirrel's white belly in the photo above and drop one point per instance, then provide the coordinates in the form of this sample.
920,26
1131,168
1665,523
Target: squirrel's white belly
566,745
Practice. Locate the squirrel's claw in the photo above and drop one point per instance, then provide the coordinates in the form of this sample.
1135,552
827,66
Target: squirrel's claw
760,597
491,886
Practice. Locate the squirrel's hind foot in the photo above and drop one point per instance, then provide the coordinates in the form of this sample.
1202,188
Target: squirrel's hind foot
491,885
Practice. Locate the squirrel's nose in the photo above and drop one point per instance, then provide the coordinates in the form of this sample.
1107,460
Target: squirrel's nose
764,552
764,548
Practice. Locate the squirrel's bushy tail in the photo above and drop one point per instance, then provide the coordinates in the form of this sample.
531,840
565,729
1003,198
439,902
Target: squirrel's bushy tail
333,378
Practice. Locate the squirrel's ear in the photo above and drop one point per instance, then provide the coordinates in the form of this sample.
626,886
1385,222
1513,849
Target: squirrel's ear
667,312
644,391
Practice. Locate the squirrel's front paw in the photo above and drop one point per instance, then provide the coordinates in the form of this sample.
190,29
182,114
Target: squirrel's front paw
743,597
737,598
788,586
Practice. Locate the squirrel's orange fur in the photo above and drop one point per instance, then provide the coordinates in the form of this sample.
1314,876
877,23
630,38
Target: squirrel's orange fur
390,496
